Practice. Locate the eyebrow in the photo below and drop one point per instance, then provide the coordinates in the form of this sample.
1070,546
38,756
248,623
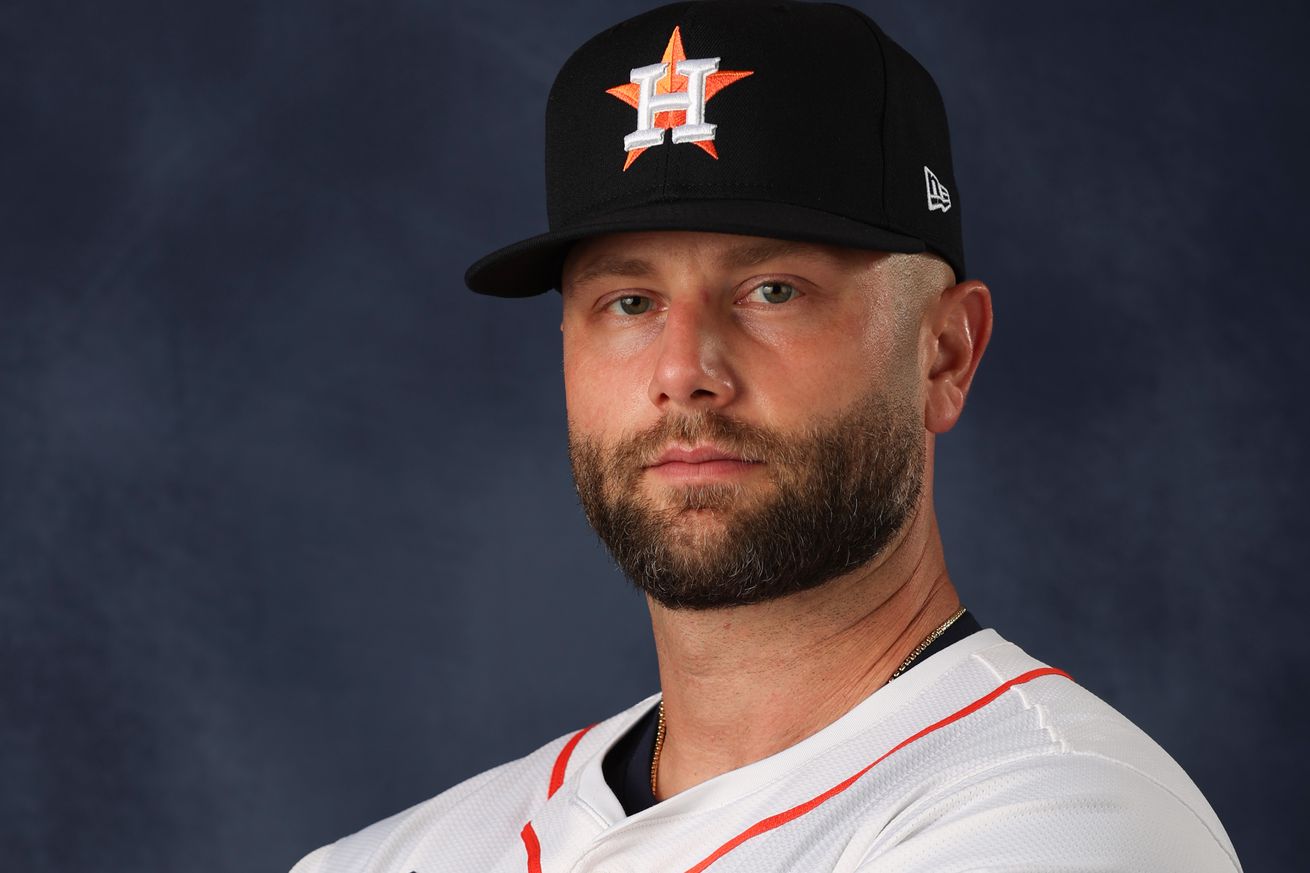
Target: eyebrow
745,255
614,265
750,254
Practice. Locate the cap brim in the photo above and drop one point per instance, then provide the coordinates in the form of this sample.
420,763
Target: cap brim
533,265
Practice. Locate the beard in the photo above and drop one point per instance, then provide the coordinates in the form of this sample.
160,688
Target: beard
840,491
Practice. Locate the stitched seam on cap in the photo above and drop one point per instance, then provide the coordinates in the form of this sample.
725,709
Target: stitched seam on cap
686,16
882,121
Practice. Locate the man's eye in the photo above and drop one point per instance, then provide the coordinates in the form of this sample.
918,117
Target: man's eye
775,292
633,304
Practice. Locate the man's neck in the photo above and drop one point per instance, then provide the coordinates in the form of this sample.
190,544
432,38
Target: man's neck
742,683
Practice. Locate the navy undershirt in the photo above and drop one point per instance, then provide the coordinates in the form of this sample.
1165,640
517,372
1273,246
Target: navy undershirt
627,764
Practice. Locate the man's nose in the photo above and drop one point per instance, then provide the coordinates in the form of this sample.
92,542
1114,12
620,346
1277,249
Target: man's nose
692,369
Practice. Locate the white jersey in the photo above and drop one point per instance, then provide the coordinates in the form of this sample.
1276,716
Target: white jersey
980,758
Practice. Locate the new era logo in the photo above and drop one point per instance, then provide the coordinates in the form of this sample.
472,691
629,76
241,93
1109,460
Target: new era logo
938,196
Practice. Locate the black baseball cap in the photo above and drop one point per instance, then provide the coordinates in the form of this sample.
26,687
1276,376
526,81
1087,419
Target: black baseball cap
800,121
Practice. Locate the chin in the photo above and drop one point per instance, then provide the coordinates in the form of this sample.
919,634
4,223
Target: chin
696,532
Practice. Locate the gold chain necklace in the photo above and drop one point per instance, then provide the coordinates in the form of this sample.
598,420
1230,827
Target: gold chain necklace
927,641
660,730
659,747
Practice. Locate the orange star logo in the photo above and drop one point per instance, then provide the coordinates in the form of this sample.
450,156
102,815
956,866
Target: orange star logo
674,81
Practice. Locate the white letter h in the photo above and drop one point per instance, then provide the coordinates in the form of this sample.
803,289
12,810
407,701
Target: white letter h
692,101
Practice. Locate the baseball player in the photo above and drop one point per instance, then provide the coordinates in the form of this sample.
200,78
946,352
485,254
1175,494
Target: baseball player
755,232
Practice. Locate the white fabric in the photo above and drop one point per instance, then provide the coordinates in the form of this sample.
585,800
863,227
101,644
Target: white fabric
1045,777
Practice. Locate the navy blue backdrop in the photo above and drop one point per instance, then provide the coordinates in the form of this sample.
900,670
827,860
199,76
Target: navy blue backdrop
287,536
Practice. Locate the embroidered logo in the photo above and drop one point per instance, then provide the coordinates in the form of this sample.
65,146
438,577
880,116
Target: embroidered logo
938,196
671,95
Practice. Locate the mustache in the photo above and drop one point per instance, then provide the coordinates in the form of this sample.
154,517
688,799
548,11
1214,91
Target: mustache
751,442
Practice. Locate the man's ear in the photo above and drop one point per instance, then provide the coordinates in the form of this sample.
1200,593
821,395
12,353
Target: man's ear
960,323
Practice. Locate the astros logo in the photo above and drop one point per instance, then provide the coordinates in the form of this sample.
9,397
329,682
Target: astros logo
671,95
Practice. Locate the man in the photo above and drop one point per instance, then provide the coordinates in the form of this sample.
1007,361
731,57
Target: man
755,232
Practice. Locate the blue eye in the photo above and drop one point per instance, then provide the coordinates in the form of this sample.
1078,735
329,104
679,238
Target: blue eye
775,292
633,304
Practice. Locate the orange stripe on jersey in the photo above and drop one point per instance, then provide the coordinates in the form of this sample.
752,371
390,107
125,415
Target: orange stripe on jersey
533,846
796,812
529,834
562,762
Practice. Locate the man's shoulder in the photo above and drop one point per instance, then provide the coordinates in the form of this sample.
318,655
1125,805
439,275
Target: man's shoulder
1062,809
506,795
1057,771
1074,722
500,785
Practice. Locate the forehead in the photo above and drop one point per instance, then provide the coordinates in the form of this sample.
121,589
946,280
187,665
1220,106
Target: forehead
646,252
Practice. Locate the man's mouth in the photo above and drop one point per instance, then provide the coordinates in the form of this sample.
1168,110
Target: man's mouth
680,463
